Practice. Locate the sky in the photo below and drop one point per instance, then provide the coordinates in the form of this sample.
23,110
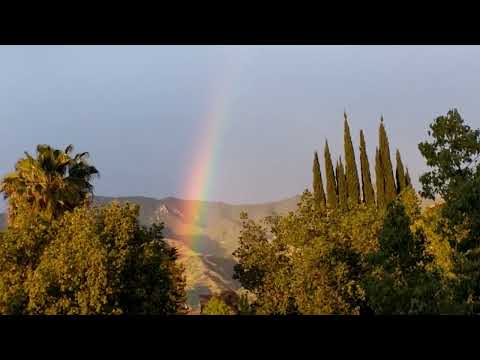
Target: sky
255,113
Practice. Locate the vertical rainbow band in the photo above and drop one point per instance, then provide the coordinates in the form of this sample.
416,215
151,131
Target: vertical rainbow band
201,172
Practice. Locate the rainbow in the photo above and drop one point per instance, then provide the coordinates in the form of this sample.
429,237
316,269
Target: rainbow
200,174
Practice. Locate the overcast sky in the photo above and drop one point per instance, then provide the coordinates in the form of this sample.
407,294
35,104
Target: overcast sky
139,110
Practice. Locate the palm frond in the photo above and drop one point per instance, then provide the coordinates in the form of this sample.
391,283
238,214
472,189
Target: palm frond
68,149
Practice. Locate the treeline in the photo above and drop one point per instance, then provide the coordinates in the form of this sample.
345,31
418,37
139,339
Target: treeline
351,249
343,188
62,255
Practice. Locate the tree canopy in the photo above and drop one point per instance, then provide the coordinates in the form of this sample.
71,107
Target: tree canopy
49,184
62,255
394,258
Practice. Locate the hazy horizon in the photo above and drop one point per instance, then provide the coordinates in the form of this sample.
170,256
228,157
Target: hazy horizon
142,111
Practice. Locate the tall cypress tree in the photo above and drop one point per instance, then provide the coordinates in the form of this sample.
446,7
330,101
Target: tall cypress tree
379,179
332,199
318,192
342,185
400,174
408,181
353,185
367,188
390,189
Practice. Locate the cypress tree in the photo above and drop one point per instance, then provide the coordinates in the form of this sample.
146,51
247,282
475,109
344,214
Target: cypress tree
379,180
408,181
318,192
353,184
332,198
390,189
367,188
342,185
400,174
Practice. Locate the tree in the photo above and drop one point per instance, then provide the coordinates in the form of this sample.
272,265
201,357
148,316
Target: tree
215,306
252,254
61,255
398,246
429,222
453,155
367,188
400,174
89,261
264,267
353,185
408,181
390,189
329,267
379,180
244,306
342,186
332,197
400,282
50,184
312,263
318,191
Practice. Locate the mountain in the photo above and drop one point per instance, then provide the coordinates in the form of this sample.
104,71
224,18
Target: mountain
205,245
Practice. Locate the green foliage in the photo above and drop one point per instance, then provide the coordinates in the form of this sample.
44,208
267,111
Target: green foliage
352,262
342,186
308,263
353,184
454,157
59,255
20,251
400,174
318,191
332,198
400,282
264,266
49,185
253,246
437,245
390,259
399,248
89,261
367,188
379,180
334,261
408,181
244,306
216,306
453,154
386,163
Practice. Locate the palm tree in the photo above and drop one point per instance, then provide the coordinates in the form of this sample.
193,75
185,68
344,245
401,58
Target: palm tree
49,184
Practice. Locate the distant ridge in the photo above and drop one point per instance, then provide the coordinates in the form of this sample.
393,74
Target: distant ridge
208,258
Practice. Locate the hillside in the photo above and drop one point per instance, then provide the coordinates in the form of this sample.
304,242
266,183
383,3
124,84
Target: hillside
205,248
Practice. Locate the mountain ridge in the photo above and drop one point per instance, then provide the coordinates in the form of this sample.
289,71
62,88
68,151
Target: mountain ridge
205,246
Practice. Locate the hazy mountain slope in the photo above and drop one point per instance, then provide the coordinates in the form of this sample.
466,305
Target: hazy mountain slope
218,230
206,246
